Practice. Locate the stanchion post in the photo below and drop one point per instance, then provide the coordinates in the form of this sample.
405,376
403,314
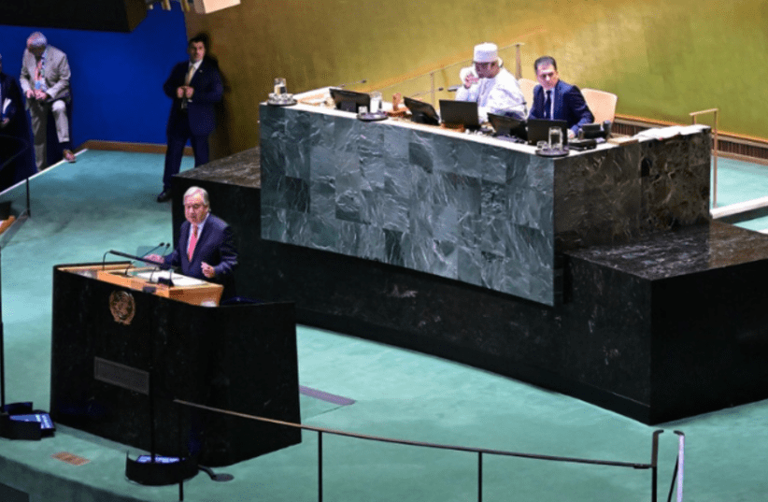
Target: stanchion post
479,476
681,465
518,61
693,116
320,466
432,86
655,465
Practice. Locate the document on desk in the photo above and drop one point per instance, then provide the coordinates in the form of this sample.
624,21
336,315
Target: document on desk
178,279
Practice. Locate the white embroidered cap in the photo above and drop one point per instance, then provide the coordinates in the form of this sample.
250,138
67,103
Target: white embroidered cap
486,53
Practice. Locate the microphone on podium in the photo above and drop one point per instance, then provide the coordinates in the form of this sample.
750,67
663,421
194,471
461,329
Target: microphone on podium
162,244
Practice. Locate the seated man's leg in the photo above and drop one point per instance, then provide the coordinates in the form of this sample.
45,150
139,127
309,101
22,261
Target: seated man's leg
38,112
59,109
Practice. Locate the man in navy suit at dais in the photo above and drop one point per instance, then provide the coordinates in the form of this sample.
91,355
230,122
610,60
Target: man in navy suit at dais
195,87
557,100
206,248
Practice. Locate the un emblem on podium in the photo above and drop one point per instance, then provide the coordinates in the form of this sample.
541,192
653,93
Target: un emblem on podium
122,306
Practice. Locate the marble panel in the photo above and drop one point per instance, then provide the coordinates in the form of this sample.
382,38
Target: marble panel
321,129
469,266
323,233
298,146
323,196
496,162
422,198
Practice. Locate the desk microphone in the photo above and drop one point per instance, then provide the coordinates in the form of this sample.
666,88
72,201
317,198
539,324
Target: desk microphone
352,83
454,88
154,249
421,93
157,267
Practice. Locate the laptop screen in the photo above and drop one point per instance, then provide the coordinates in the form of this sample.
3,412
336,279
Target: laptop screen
421,112
507,126
459,112
538,130
350,101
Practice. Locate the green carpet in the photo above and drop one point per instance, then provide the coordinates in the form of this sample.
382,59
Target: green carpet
107,201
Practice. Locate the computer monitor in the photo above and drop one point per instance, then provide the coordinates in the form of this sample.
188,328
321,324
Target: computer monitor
538,130
421,112
508,126
459,113
350,101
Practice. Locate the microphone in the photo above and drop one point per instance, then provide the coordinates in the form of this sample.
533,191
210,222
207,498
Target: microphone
421,93
154,248
157,267
454,88
352,83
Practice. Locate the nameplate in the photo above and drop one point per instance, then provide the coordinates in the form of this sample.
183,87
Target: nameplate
121,375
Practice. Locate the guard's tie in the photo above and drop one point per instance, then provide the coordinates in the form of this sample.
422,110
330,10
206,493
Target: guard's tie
187,80
548,105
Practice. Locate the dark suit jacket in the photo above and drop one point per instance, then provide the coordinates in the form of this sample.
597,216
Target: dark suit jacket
569,105
20,139
200,109
215,246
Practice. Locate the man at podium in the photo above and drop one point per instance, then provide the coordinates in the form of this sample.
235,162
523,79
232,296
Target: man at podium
206,248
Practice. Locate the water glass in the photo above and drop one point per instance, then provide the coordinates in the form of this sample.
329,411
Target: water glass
280,87
555,138
375,102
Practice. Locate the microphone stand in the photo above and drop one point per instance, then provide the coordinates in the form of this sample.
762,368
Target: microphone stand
10,428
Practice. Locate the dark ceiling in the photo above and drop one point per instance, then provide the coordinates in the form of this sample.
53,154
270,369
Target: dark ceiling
99,15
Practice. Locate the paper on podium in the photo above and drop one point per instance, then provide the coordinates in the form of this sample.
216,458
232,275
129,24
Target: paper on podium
178,279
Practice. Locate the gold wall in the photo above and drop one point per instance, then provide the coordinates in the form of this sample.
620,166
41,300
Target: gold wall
663,59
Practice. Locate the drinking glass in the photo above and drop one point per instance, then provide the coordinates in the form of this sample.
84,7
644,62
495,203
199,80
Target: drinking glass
555,138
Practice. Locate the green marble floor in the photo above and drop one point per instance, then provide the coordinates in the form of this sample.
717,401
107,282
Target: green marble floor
106,201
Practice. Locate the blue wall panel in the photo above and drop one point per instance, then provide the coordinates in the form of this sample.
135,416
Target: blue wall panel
117,78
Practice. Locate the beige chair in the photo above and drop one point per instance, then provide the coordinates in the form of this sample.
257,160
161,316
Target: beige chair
601,103
527,85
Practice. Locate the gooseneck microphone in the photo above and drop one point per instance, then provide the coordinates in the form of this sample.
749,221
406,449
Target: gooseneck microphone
421,93
162,244
352,83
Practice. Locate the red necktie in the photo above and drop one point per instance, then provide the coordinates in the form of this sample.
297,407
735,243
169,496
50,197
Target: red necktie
192,243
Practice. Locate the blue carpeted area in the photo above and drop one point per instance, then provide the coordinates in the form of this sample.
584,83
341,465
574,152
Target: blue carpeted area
107,201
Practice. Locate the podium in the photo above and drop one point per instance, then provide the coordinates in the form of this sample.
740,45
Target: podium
125,347
184,289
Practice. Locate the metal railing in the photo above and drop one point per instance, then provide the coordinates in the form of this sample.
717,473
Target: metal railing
677,477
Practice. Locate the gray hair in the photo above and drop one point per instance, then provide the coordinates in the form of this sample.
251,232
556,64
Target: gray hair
197,190
37,40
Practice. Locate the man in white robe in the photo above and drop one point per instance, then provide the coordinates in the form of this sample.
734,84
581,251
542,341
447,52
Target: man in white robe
492,87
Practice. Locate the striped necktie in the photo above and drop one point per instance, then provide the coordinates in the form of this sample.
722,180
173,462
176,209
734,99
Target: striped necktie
192,243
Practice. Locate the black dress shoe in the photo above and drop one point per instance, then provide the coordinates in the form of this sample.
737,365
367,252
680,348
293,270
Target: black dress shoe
164,196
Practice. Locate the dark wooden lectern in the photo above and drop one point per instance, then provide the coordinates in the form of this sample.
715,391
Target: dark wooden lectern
121,353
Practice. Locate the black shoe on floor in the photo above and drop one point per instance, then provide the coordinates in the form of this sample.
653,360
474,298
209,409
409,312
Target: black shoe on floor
164,196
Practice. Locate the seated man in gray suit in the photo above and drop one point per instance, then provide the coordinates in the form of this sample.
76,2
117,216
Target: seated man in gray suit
44,80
